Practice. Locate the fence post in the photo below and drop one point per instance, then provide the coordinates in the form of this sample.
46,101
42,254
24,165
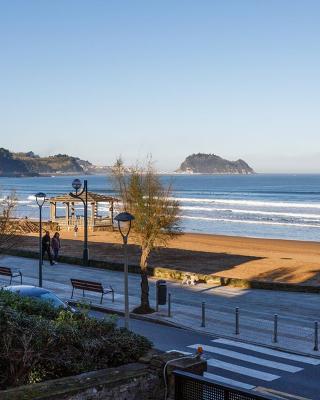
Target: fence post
316,337
169,304
203,314
237,321
275,329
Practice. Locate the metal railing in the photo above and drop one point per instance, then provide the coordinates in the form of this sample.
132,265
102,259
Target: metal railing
194,387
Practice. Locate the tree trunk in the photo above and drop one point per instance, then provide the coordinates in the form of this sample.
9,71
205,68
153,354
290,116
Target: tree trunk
144,307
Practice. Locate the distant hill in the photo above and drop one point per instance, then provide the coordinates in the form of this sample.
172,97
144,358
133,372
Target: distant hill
212,164
10,166
30,164
60,163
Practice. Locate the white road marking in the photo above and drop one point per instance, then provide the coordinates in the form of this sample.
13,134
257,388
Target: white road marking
228,381
282,395
238,369
270,352
248,358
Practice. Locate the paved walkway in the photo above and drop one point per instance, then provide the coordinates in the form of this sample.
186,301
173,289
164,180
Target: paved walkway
297,312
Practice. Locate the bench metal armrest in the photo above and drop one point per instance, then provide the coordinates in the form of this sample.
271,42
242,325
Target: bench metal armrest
105,291
15,270
108,290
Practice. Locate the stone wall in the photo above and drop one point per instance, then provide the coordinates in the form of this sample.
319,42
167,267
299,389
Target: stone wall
136,381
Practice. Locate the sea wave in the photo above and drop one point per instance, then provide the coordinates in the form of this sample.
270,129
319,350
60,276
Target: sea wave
240,221
249,203
23,201
16,201
251,212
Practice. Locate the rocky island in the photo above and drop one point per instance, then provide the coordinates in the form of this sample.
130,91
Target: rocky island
212,164
30,164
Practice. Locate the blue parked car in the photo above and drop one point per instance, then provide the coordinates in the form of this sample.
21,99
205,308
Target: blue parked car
38,293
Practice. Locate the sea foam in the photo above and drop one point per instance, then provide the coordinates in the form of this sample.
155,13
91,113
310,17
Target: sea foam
250,203
240,221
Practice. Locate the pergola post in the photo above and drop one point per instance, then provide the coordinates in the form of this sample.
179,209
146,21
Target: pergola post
52,212
93,214
96,205
72,213
67,214
111,211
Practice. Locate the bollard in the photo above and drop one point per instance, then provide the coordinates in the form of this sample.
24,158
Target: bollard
169,304
157,302
275,329
316,337
237,321
203,314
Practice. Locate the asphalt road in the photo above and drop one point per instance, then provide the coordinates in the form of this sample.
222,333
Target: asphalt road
239,364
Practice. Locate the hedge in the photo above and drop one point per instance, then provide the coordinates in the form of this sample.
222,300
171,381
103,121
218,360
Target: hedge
39,342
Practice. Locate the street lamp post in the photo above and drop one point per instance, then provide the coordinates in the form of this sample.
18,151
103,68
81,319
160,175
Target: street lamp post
76,184
124,220
40,198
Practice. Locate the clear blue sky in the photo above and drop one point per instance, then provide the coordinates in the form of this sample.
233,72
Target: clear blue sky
101,78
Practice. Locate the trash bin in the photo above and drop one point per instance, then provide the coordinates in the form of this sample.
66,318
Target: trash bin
161,287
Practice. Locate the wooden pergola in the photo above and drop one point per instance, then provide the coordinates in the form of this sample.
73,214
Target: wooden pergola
71,219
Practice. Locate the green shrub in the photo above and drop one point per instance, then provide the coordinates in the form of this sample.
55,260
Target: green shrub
38,342
28,305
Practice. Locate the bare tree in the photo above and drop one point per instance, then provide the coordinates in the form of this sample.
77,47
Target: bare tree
8,228
156,214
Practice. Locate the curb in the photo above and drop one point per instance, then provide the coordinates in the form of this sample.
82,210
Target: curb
177,276
140,317
184,327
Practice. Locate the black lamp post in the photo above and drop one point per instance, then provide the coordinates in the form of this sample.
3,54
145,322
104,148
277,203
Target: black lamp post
124,220
76,184
40,198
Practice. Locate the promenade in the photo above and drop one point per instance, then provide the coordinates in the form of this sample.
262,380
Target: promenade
296,312
264,261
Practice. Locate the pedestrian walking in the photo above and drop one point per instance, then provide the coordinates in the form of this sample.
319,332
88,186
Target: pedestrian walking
56,245
46,247
75,229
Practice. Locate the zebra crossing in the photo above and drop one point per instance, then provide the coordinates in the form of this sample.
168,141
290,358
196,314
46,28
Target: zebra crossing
248,366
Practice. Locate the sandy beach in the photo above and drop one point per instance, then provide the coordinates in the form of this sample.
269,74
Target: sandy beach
285,261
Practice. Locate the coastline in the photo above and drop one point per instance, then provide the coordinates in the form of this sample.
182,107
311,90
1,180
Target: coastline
239,258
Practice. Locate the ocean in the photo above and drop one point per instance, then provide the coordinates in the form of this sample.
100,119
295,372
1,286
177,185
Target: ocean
260,205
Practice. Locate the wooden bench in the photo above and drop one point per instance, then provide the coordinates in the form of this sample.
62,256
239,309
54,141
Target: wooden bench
90,286
6,271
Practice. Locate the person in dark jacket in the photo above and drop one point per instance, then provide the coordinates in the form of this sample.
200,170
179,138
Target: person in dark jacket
46,246
55,244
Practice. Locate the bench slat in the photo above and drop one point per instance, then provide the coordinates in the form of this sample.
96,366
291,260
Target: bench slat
80,281
89,289
86,285
5,271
